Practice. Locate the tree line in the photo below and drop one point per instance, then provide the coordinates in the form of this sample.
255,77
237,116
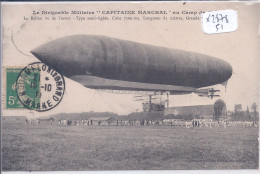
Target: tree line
244,115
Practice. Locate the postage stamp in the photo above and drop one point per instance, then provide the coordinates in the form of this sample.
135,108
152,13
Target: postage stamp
11,99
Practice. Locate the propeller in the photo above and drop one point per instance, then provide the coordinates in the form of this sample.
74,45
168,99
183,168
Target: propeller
139,100
209,92
138,96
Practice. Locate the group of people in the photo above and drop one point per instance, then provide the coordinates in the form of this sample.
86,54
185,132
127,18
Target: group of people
97,122
221,123
195,123
147,122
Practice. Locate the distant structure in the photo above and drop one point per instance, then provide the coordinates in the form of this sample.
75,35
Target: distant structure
215,111
102,120
45,120
202,111
148,106
13,118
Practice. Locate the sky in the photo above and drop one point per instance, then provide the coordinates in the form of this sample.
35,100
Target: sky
239,48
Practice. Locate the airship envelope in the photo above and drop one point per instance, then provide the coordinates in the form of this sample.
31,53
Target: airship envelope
102,62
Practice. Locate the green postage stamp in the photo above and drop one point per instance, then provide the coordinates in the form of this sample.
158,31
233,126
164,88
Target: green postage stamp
12,101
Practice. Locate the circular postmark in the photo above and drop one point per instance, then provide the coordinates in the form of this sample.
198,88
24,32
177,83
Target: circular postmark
40,87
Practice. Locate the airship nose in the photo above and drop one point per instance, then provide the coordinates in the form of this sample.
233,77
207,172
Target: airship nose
57,54
37,53
45,53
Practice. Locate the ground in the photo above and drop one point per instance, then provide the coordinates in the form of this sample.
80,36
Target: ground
53,147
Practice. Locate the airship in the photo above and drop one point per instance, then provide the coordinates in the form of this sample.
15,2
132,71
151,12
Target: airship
101,62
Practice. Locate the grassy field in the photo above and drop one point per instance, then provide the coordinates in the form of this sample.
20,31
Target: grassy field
53,147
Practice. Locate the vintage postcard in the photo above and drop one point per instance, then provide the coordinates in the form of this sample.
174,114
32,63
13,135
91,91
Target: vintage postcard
100,86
